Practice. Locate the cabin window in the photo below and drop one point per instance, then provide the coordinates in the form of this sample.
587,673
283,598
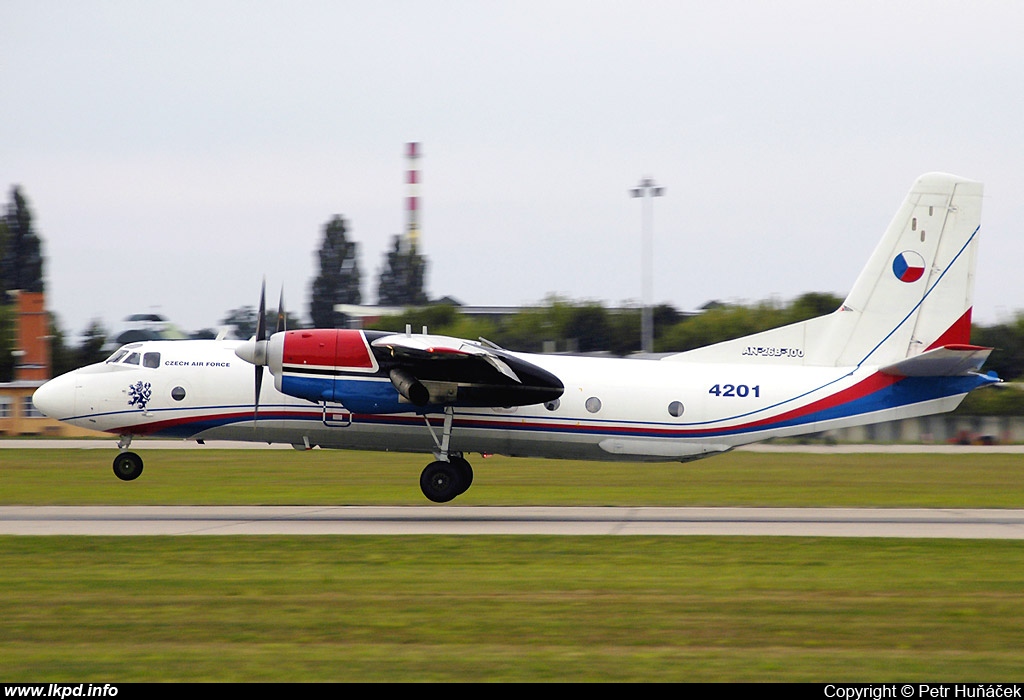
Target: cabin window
675,409
593,404
151,359
178,393
553,405
913,224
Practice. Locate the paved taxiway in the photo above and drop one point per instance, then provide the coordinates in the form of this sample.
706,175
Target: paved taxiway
493,520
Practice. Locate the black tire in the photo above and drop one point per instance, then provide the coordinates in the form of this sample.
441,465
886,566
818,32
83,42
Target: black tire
465,472
441,482
127,466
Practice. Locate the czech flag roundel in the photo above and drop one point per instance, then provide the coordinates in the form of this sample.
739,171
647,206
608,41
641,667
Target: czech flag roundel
908,266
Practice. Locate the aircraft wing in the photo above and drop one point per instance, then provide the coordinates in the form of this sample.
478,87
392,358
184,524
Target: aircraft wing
442,347
441,369
946,361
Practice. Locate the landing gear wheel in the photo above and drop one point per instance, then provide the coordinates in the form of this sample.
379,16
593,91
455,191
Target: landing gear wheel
441,481
465,472
127,466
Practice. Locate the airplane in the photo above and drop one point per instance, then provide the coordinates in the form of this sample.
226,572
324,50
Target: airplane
898,347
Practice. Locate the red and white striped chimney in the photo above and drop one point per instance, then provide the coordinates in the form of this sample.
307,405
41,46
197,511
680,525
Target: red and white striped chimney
412,230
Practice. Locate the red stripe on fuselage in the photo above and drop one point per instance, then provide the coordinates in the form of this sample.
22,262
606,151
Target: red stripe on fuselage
870,385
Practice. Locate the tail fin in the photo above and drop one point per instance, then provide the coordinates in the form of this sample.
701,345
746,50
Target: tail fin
914,294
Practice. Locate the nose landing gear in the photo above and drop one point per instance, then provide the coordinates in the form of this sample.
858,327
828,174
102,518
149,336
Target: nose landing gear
127,466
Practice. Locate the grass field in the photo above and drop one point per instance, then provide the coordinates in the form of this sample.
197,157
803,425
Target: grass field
288,477
430,608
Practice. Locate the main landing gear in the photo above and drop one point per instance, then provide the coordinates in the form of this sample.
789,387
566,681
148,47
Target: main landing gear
442,481
449,476
127,465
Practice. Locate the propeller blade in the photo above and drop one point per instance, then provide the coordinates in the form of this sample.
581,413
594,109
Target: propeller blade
261,320
282,321
261,337
259,385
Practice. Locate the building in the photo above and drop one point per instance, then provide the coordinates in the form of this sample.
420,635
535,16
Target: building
18,416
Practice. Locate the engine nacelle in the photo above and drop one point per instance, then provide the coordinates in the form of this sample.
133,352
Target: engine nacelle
332,365
321,350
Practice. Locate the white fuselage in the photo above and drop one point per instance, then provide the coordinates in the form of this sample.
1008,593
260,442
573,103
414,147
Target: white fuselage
611,409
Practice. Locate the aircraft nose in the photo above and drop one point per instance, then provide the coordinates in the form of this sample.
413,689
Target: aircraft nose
56,398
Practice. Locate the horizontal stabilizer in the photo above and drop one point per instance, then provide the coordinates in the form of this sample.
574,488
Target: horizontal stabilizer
947,361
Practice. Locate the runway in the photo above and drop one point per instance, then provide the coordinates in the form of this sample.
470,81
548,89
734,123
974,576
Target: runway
492,520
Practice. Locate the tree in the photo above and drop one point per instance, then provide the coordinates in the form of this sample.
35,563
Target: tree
1007,360
339,279
21,267
62,357
3,250
401,279
242,321
91,350
812,305
21,258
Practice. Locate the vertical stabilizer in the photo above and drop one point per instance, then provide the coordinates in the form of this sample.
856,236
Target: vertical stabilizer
914,294
916,291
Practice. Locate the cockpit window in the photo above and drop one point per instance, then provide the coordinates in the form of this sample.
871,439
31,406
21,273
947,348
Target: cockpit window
117,356
127,356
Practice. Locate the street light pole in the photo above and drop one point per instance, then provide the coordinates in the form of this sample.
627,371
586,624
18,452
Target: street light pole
648,190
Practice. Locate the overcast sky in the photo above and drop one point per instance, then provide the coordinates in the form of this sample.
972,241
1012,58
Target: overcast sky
176,153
